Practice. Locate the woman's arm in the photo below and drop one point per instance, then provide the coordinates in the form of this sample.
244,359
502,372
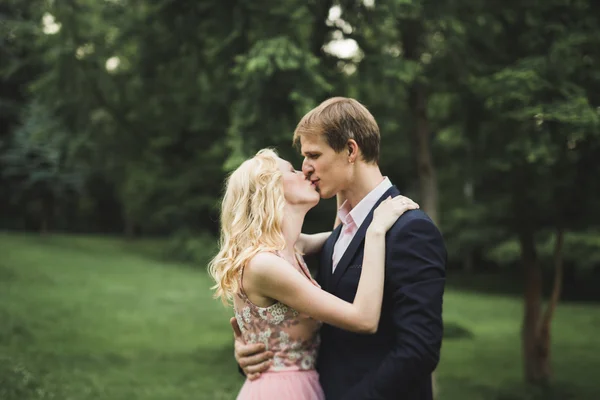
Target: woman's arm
312,243
273,277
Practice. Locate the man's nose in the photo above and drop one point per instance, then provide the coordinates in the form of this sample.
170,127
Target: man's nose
307,169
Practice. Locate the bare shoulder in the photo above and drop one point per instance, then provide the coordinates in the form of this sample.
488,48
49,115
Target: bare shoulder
263,264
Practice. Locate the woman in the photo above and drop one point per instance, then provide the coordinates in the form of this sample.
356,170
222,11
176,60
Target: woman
260,269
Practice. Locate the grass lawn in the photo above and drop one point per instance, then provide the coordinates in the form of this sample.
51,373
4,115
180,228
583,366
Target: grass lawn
97,318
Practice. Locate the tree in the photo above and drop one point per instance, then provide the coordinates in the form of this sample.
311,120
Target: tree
37,160
533,74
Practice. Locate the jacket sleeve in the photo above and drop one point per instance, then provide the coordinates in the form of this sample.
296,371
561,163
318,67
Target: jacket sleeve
415,275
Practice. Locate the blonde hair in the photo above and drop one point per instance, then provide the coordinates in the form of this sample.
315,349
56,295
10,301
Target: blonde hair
339,119
251,220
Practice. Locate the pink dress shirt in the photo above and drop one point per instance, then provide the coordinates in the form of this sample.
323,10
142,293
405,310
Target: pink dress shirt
353,218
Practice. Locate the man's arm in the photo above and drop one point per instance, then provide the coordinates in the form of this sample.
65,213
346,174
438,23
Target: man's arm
312,243
415,271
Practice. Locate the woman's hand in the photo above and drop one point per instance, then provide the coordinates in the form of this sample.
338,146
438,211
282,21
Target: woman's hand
386,213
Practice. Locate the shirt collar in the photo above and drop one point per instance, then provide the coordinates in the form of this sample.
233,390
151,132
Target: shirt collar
359,213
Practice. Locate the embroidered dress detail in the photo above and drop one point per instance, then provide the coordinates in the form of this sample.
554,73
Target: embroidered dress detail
294,340
290,335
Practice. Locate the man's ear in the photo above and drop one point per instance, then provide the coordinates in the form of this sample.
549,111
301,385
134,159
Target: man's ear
352,149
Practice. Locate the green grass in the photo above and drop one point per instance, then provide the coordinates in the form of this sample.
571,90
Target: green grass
92,319
98,318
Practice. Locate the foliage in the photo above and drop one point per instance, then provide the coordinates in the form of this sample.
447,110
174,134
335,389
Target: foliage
580,249
195,249
36,163
149,105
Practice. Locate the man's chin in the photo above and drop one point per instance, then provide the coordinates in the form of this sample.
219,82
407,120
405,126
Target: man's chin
326,195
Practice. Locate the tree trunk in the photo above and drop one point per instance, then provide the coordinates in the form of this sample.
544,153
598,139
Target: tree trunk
537,326
544,330
44,225
128,223
536,321
533,363
468,262
129,228
413,35
46,212
421,138
413,32
425,169
318,38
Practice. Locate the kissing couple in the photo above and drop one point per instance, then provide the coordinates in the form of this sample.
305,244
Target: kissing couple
369,324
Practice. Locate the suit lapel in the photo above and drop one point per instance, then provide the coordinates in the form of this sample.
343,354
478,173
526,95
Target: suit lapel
327,258
356,242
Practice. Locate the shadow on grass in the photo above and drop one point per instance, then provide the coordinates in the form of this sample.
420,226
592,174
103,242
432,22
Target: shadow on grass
453,330
555,391
6,274
18,383
504,284
13,331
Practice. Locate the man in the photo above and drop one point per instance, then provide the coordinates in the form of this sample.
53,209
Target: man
340,140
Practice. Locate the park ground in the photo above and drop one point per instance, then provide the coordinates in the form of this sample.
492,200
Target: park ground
84,317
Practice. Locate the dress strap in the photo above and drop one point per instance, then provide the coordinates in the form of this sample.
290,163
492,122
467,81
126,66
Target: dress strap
302,265
304,268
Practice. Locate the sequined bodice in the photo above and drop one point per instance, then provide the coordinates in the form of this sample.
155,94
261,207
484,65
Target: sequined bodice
292,337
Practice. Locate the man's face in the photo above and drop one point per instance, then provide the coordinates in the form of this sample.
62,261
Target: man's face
328,170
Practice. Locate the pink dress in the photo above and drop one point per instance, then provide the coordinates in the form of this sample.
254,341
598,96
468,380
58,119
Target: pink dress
294,340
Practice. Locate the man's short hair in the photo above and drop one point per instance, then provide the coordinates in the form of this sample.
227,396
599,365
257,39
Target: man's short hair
339,119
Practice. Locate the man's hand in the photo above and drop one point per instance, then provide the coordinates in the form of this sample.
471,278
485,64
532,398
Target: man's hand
252,358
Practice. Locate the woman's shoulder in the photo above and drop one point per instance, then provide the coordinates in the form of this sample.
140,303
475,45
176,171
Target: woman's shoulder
263,263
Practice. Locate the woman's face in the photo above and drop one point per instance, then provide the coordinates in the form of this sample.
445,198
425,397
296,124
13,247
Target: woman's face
297,188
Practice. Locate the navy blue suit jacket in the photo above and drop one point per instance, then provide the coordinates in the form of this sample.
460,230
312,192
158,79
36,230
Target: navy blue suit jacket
397,361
